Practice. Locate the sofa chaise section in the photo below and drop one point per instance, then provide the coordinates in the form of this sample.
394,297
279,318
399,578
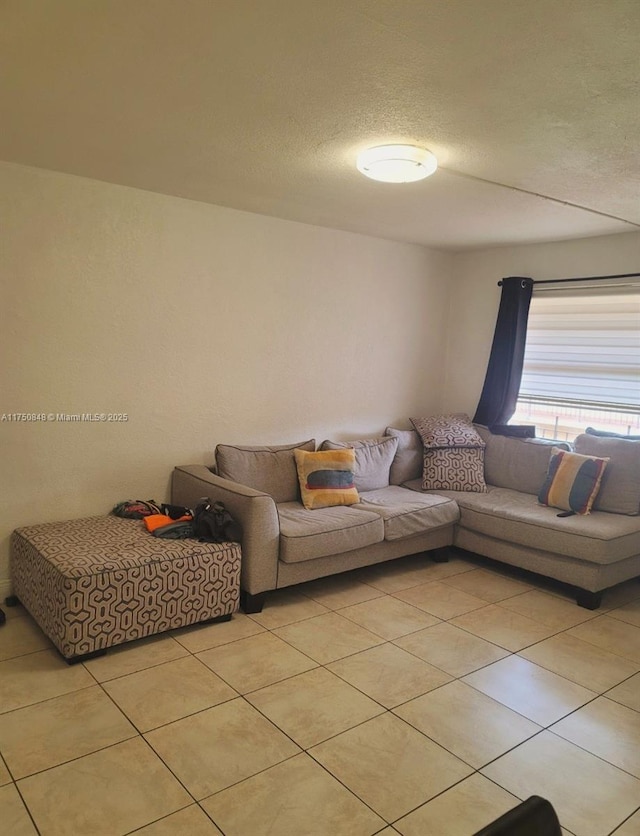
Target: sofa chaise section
592,552
507,523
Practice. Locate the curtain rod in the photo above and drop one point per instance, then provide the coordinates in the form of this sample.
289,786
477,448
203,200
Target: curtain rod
583,279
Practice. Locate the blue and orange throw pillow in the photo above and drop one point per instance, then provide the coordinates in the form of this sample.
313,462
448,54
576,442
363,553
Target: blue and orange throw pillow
326,478
572,481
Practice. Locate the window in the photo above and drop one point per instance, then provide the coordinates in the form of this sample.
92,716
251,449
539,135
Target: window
582,361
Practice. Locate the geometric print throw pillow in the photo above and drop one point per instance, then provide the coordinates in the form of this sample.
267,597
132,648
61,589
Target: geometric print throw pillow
454,469
447,431
453,453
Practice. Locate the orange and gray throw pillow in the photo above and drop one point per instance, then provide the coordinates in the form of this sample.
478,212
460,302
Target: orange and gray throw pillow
572,482
327,478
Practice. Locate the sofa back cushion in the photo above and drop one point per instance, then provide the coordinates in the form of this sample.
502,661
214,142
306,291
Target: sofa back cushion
517,463
407,462
374,457
268,469
620,488
607,434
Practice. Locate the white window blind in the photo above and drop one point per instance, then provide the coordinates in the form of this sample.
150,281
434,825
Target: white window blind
583,347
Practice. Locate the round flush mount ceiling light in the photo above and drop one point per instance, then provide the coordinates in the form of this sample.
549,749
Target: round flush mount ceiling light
396,163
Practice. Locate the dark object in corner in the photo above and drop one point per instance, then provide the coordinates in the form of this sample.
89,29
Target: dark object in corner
10,601
514,430
533,817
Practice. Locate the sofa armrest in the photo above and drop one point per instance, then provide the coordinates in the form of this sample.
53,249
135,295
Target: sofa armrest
255,511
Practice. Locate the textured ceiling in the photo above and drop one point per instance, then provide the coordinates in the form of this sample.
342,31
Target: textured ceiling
532,107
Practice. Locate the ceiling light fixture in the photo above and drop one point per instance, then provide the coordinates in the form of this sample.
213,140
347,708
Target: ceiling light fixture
396,163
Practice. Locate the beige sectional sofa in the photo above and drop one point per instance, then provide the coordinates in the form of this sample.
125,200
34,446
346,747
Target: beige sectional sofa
285,544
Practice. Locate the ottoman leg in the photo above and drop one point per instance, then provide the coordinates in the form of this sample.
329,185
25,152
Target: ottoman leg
84,657
217,619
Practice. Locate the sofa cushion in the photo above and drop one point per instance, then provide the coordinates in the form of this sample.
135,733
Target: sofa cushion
306,535
607,434
326,478
517,463
406,513
268,469
620,488
572,482
407,462
519,518
374,457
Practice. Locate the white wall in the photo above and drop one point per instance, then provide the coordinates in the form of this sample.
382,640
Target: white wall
475,297
203,325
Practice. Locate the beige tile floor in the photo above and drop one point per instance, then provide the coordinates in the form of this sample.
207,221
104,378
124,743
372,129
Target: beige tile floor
412,698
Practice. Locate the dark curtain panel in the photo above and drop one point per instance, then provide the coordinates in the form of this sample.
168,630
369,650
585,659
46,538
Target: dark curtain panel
504,372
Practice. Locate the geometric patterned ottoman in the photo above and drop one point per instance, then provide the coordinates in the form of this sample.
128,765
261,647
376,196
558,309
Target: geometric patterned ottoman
100,581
